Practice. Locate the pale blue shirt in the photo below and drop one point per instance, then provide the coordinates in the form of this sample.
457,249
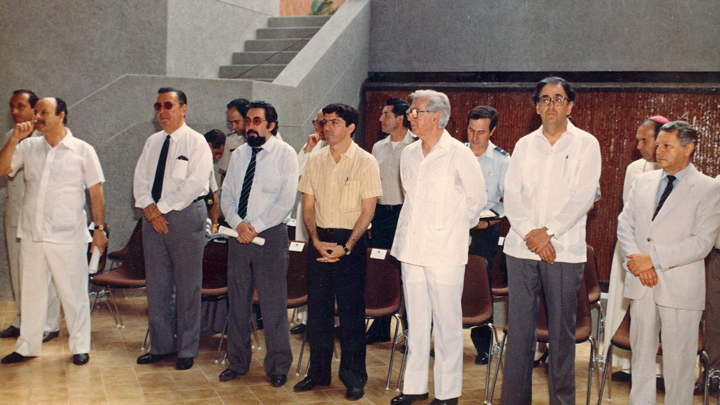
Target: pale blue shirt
494,163
272,195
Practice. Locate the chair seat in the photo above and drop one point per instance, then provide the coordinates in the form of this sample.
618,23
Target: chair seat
207,293
297,302
122,277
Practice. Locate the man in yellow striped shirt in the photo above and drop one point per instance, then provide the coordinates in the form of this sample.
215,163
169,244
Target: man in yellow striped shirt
340,188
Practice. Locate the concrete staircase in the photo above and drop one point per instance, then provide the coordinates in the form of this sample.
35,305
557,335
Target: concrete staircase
265,57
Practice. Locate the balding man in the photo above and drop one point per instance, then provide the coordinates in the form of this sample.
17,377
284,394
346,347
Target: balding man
59,168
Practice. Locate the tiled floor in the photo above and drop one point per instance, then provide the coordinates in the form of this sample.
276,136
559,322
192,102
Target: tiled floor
113,377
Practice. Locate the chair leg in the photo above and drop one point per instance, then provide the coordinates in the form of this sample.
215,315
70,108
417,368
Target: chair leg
493,336
704,359
497,367
590,368
147,332
608,366
97,293
302,351
118,318
398,321
404,360
222,337
254,329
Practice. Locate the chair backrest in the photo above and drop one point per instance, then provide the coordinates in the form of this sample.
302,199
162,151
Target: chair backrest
215,262
297,274
383,293
477,305
592,278
135,258
499,273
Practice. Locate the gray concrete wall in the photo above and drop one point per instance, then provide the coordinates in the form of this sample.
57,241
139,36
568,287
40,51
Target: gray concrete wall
202,35
70,48
541,35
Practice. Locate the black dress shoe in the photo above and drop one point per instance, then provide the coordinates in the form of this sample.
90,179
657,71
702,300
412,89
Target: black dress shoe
354,393
10,332
404,399
481,358
184,363
541,360
229,374
148,358
306,385
298,330
451,401
15,357
278,380
80,359
48,336
621,376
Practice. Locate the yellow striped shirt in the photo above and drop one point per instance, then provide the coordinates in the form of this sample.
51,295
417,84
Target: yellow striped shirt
339,187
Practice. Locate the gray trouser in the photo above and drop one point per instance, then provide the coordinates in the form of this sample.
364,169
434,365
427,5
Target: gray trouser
173,270
560,283
265,268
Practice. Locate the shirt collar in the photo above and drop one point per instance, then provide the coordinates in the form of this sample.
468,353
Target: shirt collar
679,175
68,140
350,153
177,132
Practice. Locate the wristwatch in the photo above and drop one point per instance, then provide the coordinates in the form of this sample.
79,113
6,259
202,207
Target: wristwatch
549,232
347,251
100,227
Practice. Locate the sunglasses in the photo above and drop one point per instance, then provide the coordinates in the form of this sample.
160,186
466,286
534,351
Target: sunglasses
254,121
166,105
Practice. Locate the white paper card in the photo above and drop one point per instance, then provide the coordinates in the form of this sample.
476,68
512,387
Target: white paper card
292,222
297,246
379,254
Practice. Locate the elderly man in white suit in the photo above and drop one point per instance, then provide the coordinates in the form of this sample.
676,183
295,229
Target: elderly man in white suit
666,229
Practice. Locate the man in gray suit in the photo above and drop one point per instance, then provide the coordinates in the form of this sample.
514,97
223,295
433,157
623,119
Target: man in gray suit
171,179
666,229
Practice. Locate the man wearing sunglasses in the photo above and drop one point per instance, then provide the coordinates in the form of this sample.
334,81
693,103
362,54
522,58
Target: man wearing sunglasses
259,193
550,186
171,179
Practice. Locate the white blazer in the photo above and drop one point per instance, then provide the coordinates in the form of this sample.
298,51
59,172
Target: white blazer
682,234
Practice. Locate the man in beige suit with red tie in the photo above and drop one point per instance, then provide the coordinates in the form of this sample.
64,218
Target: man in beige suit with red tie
666,229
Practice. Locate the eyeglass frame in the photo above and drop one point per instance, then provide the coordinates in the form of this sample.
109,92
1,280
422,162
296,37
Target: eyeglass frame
416,113
253,121
164,106
563,100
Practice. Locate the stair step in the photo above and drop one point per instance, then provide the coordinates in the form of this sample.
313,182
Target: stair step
247,71
306,21
274,45
247,58
281,33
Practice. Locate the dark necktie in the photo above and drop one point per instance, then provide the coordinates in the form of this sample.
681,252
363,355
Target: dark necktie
664,195
160,170
247,184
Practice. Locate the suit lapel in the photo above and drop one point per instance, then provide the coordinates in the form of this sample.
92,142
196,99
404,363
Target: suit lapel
680,191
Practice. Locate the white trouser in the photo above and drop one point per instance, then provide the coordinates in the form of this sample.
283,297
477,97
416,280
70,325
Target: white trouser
432,296
66,265
680,339
617,306
53,310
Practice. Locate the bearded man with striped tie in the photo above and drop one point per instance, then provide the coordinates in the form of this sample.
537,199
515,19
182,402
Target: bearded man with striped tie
171,179
258,195
668,226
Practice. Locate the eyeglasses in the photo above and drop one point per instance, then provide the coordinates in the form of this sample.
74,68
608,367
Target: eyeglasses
254,121
559,101
166,105
413,112
316,122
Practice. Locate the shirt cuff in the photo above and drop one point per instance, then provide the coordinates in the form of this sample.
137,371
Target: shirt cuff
163,207
655,260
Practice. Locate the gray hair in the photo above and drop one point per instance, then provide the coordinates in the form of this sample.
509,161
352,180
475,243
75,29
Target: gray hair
686,134
438,102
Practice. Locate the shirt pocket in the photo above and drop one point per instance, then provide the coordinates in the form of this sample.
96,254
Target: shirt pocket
64,220
180,169
350,196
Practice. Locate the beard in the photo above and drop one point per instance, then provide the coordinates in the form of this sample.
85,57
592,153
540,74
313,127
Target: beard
255,140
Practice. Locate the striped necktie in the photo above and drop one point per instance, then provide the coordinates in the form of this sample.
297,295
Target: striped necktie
247,184
664,195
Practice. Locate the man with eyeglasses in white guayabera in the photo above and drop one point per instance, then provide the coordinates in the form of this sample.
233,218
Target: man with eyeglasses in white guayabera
550,186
